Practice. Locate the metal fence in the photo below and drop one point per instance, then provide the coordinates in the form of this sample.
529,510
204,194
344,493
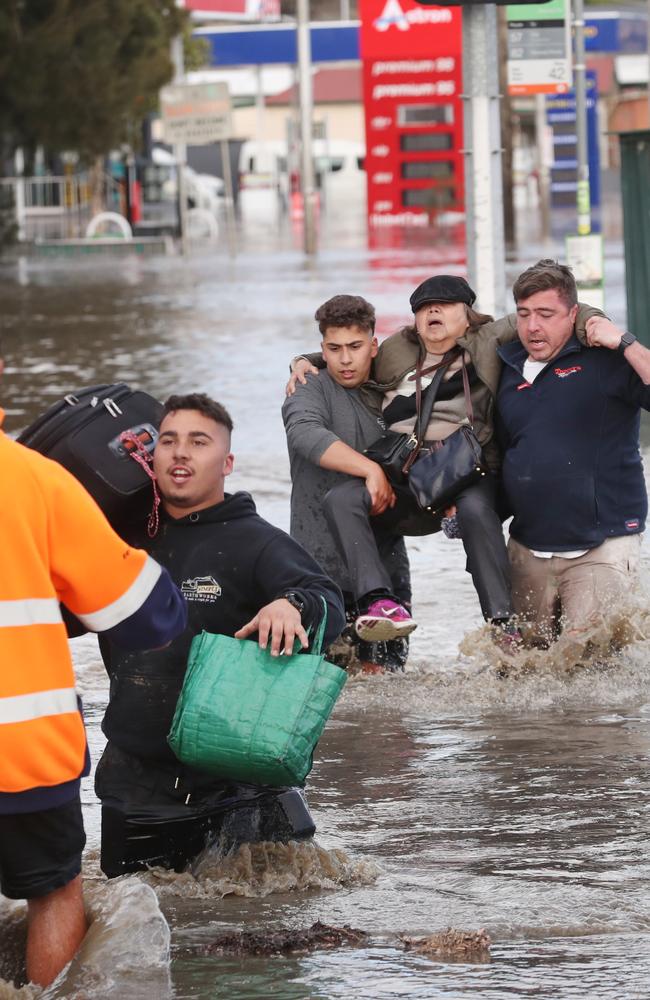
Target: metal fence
51,207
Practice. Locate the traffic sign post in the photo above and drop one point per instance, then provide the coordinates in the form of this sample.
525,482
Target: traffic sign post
180,151
583,203
483,180
584,255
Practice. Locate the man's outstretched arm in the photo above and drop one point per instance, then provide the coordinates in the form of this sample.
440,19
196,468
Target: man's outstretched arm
288,575
108,586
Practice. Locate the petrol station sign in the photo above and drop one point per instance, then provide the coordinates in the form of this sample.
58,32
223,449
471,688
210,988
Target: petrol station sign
412,78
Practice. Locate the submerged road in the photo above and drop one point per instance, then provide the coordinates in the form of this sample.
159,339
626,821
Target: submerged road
446,796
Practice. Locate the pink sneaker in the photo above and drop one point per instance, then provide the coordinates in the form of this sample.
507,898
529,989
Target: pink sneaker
384,619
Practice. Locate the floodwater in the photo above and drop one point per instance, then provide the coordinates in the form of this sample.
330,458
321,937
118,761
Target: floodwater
447,796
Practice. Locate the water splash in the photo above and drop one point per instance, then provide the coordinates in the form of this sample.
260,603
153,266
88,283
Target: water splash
9,992
607,664
257,870
124,953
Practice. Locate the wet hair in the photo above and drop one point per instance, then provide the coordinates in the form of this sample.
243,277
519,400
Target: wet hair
346,310
474,320
203,404
547,275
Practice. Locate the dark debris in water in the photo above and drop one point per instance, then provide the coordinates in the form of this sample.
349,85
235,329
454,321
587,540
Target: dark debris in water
449,945
281,941
452,945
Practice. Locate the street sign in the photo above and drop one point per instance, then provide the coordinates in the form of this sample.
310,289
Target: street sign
196,114
539,48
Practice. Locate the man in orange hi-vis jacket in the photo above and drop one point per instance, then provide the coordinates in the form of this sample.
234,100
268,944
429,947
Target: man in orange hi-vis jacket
56,546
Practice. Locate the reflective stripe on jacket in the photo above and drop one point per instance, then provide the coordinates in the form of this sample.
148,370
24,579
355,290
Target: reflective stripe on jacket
55,546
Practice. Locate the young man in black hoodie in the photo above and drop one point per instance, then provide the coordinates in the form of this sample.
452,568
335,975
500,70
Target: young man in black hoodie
241,576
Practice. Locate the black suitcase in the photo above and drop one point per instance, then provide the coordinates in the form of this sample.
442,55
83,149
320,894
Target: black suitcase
82,432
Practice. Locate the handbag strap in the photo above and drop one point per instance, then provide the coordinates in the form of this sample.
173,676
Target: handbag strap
466,391
424,402
317,644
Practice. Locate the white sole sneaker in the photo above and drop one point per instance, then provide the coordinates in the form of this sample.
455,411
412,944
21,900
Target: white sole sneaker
380,629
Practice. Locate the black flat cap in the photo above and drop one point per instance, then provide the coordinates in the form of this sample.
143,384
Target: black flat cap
442,288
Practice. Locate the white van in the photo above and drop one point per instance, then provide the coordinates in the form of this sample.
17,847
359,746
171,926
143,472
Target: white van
339,168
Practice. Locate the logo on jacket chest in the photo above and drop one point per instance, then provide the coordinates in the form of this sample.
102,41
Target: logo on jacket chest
204,589
558,372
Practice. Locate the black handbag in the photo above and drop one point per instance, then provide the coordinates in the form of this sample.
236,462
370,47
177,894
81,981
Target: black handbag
439,475
396,452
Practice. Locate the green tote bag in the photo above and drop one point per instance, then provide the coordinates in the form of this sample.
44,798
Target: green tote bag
248,716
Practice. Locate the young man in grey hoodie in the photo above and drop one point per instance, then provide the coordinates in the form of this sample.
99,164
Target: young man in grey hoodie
329,424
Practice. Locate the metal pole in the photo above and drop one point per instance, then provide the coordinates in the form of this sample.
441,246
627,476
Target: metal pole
483,182
648,50
583,196
19,194
306,115
543,186
260,110
180,149
230,197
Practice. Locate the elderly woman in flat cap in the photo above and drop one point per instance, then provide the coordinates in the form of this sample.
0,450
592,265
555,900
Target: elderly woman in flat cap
444,318
445,326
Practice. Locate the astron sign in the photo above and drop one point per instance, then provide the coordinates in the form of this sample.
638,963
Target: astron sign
403,30
393,15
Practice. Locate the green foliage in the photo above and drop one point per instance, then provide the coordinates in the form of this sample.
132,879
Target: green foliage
80,74
196,51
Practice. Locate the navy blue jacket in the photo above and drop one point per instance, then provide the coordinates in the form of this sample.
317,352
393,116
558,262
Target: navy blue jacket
572,470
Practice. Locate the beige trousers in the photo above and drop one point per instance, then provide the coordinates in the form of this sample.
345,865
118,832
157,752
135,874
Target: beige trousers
552,594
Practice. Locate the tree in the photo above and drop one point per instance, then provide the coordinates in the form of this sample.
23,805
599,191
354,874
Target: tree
82,74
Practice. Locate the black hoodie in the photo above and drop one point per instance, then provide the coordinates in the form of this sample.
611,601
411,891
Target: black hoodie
228,562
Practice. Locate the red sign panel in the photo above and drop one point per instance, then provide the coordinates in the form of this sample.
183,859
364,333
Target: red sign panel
412,78
238,9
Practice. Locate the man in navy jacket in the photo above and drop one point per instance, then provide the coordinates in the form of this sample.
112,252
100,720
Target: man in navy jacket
572,472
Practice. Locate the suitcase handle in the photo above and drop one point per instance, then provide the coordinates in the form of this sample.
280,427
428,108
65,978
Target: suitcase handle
112,407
